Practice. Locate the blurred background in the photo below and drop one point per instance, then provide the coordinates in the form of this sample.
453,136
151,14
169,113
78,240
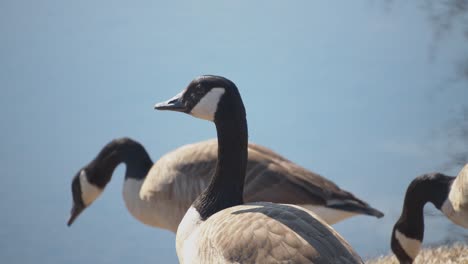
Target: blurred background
368,93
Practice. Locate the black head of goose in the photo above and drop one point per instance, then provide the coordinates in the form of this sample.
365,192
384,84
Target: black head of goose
91,180
217,99
448,194
219,227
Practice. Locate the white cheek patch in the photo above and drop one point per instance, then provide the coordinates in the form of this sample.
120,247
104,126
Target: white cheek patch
410,245
89,191
206,107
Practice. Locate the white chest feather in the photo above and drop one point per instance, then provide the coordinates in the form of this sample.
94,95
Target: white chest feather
152,212
456,213
135,206
459,191
410,246
187,245
456,205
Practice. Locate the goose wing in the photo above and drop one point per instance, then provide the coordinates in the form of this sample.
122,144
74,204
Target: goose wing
181,175
273,178
270,233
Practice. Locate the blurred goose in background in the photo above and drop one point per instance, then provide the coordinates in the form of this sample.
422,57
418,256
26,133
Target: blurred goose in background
218,227
448,194
170,187
175,180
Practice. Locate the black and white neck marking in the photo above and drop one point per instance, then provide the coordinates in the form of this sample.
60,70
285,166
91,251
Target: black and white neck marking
91,180
408,232
217,99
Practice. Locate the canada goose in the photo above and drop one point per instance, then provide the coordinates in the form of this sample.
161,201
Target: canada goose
219,227
448,194
170,188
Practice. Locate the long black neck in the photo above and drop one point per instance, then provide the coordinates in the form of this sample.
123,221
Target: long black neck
433,188
227,185
122,150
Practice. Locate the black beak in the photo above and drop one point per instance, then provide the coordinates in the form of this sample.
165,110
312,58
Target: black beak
75,212
173,104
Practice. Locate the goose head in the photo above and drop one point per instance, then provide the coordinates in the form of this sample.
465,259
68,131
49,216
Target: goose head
208,97
405,246
217,99
91,180
84,192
